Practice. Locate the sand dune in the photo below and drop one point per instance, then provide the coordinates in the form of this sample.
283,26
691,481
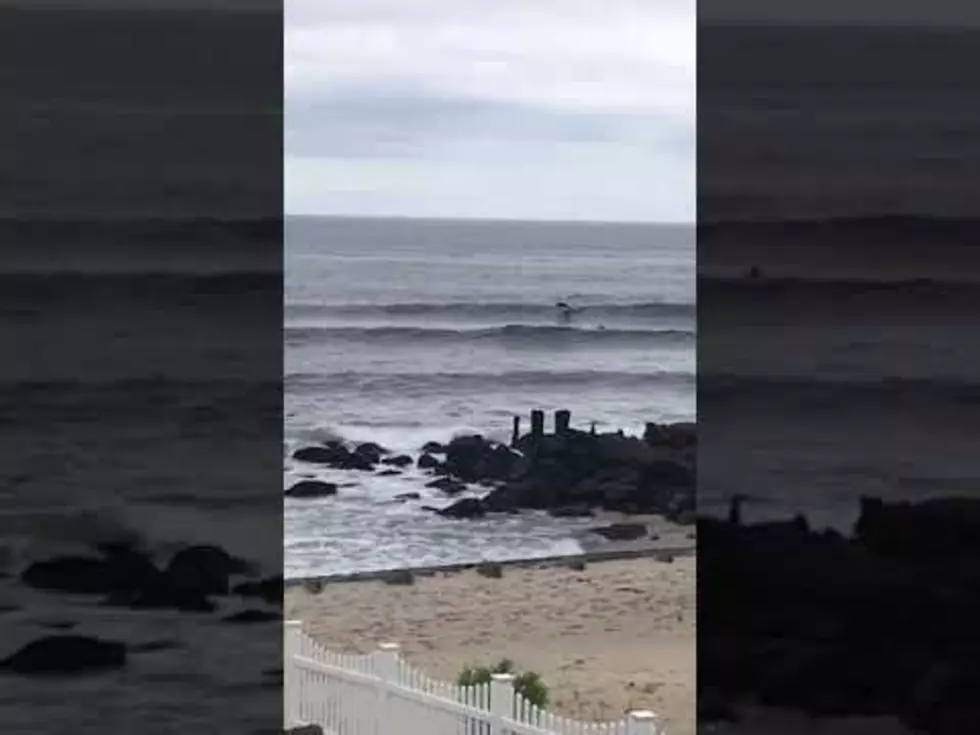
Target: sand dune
619,635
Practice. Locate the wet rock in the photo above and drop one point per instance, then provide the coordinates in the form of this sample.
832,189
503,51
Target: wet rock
491,570
428,462
465,508
622,531
434,448
448,485
312,489
370,452
402,497
63,655
400,577
333,455
473,458
389,473
402,460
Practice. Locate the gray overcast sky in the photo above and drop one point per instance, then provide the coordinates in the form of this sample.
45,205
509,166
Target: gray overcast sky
529,109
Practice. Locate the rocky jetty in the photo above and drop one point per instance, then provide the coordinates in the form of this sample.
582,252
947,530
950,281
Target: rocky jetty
568,472
572,472
881,623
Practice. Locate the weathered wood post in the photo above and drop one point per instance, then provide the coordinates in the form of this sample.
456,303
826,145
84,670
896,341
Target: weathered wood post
650,432
537,425
292,641
386,670
642,722
563,419
501,702
515,434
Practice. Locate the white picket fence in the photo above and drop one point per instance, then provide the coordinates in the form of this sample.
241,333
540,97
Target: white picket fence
380,694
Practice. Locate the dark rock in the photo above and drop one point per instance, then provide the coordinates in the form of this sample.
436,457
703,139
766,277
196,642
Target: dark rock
408,496
490,571
402,460
472,458
313,586
577,565
334,455
252,616
312,489
447,485
389,473
428,462
370,452
400,577
62,655
464,508
269,589
434,448
622,531
361,462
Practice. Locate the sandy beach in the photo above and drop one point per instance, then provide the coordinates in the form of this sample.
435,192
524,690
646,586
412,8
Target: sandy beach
615,636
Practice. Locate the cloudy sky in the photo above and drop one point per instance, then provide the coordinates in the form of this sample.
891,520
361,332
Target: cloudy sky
526,109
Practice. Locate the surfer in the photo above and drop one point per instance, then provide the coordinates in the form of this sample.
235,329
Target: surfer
566,311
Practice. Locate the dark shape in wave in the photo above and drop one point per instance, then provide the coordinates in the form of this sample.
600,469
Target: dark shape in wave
494,311
514,334
413,383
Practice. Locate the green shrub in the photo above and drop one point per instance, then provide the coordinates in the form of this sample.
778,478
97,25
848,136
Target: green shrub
527,683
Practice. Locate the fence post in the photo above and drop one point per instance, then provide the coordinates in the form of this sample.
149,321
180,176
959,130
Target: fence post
501,702
642,722
292,637
386,669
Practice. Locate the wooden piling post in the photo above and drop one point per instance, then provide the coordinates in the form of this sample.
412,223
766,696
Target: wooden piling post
537,424
515,435
563,419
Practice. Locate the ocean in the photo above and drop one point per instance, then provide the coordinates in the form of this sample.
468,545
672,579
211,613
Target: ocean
403,331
